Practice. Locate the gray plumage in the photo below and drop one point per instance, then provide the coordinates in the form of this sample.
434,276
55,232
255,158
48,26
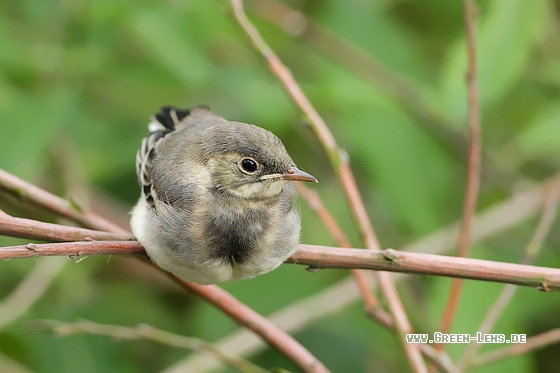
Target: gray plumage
217,201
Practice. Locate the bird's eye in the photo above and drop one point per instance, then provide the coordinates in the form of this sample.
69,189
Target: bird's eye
248,165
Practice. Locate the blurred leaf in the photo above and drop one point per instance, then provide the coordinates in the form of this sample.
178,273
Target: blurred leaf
543,134
507,35
21,147
399,161
170,47
369,25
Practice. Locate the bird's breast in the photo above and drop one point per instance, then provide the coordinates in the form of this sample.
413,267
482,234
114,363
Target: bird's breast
233,235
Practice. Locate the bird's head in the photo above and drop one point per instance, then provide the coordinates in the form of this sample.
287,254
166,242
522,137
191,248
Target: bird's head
248,161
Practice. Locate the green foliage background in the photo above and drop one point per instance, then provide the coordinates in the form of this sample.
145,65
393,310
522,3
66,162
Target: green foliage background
79,80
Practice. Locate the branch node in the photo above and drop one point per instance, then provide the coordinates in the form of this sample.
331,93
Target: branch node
343,156
75,205
31,246
544,287
391,255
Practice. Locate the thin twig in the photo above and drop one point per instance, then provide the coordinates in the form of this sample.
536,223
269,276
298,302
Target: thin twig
29,290
27,192
316,204
33,229
260,325
473,169
292,319
372,306
143,332
336,155
542,340
314,201
364,65
439,358
339,161
40,278
532,249
402,325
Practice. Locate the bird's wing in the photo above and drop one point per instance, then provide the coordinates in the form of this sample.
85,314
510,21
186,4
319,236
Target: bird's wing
161,125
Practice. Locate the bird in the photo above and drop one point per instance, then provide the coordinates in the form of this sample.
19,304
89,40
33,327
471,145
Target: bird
217,199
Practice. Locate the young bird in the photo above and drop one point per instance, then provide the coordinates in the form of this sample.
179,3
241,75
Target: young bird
216,202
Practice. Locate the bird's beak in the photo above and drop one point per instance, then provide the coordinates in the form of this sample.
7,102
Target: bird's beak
295,174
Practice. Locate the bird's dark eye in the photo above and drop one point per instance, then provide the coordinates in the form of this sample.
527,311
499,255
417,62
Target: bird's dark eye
248,165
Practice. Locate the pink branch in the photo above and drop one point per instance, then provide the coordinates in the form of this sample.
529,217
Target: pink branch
473,169
534,343
542,278
33,229
315,202
72,249
27,192
260,325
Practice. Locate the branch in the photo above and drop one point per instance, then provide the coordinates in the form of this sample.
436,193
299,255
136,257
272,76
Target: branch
294,351
439,358
340,163
142,332
473,169
30,193
534,343
215,295
337,157
531,250
33,229
72,249
29,290
248,318
366,67
372,307
314,201
542,278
